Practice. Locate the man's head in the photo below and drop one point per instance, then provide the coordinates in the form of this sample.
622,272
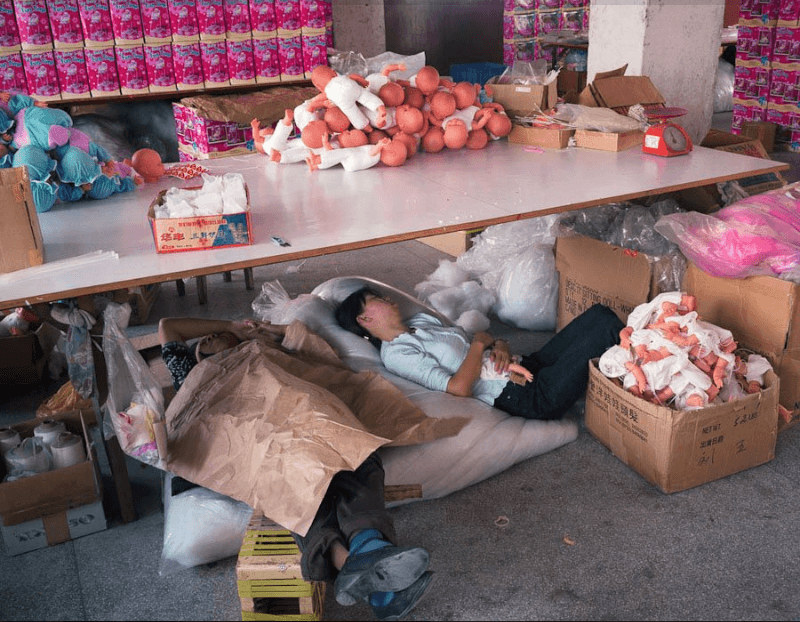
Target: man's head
362,309
214,343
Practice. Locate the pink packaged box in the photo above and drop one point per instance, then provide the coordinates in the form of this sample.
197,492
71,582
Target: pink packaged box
214,55
73,77
329,34
763,11
789,11
315,50
287,14
312,14
98,31
65,23
241,65
126,21
782,80
262,18
33,25
546,5
188,65
574,4
549,22
183,17
786,50
237,19
156,26
290,56
41,75
9,33
132,70
12,74
160,68
101,65
523,25
266,60
572,20
211,20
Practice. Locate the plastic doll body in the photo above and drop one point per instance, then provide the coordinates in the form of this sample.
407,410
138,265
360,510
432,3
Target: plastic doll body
351,158
488,372
346,93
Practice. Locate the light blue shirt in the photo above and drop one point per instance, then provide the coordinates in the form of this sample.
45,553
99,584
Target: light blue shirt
431,354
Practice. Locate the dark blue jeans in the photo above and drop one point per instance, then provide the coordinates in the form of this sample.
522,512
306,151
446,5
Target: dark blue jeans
561,367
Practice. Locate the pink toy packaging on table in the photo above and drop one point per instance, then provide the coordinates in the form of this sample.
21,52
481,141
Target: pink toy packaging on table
188,65
266,60
126,21
33,25
290,56
73,76
214,55
211,20
156,26
41,75
287,14
160,68
9,32
237,19
786,50
312,14
65,24
241,64
262,18
183,17
132,70
98,32
101,65
315,50
12,74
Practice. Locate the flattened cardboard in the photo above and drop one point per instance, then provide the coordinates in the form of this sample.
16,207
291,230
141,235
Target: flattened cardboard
676,450
22,245
624,91
608,141
541,136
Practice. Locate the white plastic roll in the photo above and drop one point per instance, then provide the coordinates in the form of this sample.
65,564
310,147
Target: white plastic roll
48,430
9,439
29,456
67,450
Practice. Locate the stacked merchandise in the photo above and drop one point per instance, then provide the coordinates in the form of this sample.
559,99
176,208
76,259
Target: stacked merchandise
767,77
65,50
524,21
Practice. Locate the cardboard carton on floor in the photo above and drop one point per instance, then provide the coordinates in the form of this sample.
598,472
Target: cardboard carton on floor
676,450
763,313
22,245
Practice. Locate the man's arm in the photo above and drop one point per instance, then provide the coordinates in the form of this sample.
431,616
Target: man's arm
185,328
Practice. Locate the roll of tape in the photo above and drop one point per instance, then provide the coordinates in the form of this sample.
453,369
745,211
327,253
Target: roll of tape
48,431
9,439
67,450
29,456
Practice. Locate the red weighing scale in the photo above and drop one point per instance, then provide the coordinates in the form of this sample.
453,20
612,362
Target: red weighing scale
665,138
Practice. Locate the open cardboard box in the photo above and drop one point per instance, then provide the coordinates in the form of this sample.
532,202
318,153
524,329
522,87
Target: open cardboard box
608,141
23,358
22,245
524,100
556,137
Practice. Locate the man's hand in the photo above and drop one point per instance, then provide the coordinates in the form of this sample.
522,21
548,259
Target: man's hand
253,329
501,356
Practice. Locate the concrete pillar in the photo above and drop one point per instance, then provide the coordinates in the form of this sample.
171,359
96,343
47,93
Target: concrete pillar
359,26
675,42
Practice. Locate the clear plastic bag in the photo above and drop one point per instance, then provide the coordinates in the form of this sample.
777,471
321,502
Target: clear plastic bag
723,86
273,304
528,290
345,63
592,118
525,72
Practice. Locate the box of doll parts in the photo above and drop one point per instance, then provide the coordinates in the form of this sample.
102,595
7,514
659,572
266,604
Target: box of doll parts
680,449
195,233
269,578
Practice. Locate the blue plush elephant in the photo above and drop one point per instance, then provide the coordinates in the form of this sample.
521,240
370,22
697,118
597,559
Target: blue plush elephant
46,128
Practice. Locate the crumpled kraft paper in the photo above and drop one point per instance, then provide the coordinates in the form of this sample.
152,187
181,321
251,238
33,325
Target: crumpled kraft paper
267,106
271,425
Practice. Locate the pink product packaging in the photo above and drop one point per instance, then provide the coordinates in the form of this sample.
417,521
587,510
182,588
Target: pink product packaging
188,65
98,30
290,55
237,18
73,76
524,25
126,20
65,23
12,74
132,70
211,19
548,5
572,20
312,13
41,75
508,26
266,60
787,45
761,10
574,4
156,26
789,10
287,14
549,22
183,17
101,65
241,65
9,33
33,24
160,68
214,55
314,51
262,17
329,34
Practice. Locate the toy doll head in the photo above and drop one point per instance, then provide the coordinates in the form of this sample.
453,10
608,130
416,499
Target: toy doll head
147,163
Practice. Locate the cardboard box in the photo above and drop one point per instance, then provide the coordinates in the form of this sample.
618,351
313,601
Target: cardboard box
22,245
524,100
676,450
453,243
205,138
732,143
55,506
763,313
141,300
24,358
619,92
762,131
172,235
608,141
591,271
551,138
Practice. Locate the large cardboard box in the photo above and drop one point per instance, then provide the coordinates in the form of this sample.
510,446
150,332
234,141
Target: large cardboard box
524,100
24,358
22,245
619,92
763,313
676,450
732,143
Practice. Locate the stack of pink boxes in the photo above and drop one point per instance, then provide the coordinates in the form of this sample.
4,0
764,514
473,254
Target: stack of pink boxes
767,76
66,49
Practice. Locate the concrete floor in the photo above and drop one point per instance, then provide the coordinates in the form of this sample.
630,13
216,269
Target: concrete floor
725,550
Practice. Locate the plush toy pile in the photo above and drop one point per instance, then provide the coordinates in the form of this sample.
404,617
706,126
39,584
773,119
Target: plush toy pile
63,163
668,356
357,121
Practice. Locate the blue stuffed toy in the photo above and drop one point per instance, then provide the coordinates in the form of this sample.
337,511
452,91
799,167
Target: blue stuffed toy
40,170
36,124
83,141
81,175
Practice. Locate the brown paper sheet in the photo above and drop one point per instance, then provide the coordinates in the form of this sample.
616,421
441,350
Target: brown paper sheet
267,106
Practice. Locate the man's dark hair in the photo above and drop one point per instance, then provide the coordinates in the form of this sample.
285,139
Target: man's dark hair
350,308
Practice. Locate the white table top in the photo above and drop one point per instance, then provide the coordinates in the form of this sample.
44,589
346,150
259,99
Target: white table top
332,210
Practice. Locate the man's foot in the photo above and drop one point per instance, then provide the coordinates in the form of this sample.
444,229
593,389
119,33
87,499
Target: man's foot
388,569
405,600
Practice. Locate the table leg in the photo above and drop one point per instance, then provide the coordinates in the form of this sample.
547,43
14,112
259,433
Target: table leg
181,287
248,279
226,276
202,294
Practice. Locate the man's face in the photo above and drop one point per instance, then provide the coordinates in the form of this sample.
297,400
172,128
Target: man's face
214,344
378,311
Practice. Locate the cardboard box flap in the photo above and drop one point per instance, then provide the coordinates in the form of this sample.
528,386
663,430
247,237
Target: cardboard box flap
623,91
22,245
614,73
